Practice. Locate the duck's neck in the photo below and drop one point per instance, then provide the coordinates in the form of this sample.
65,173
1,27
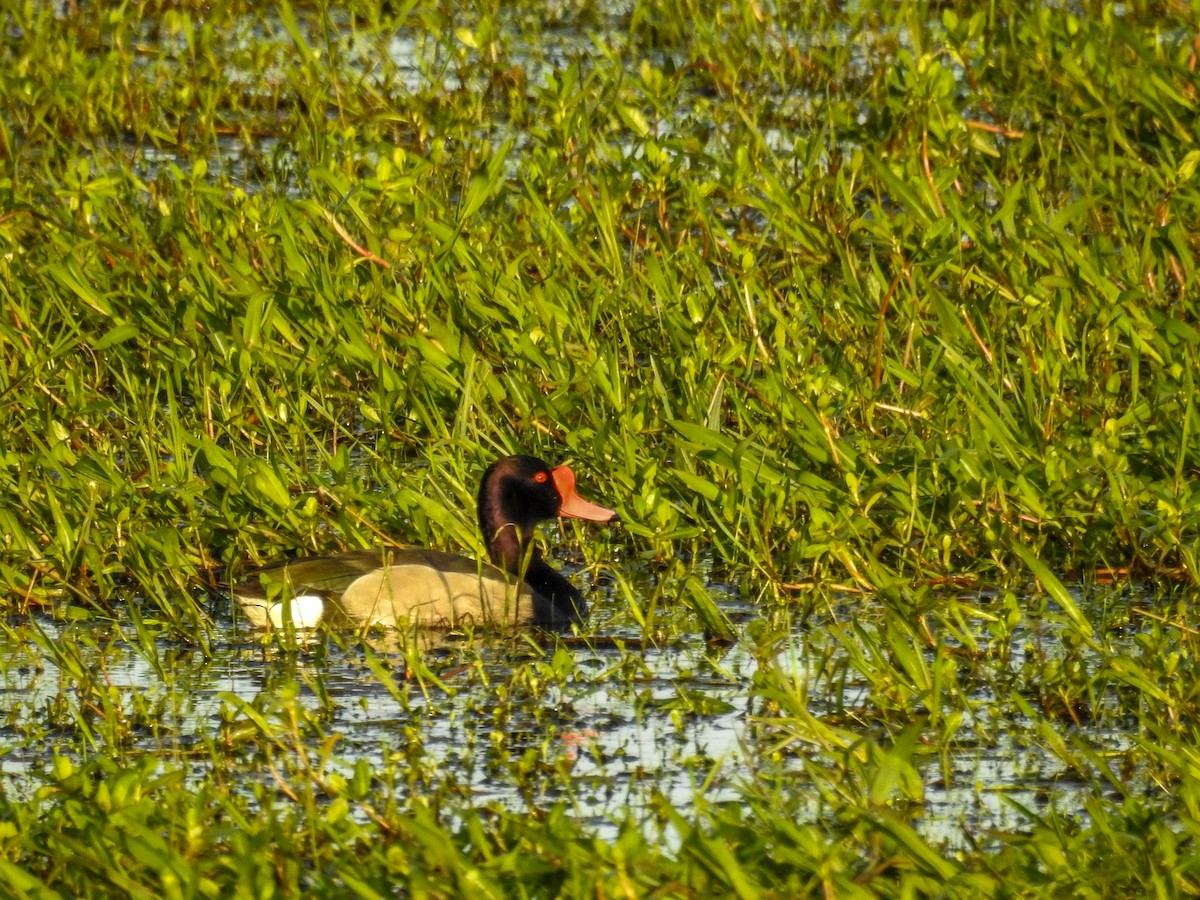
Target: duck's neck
556,602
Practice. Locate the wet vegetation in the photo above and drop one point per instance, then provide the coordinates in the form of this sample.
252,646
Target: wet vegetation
878,323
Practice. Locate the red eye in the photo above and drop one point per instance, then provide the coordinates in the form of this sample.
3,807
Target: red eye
541,477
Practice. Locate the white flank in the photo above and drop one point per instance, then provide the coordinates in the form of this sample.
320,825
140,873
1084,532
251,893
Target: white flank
306,610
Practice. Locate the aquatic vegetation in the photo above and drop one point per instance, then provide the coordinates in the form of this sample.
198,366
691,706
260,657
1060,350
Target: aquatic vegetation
877,324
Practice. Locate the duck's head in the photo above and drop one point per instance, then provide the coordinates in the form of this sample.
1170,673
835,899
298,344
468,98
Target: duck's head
516,494
524,491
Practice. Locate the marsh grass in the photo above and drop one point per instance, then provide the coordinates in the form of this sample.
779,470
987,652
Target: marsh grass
885,316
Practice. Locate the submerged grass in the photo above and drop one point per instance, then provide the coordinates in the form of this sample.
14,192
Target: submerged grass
891,302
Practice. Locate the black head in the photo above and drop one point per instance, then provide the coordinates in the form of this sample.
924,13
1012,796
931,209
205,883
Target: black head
517,490
516,494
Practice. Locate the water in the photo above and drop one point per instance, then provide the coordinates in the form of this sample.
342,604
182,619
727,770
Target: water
606,728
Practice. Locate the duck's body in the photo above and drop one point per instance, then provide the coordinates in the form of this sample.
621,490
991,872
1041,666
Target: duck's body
432,589
425,588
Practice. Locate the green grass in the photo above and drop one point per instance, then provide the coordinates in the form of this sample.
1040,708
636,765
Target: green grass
884,314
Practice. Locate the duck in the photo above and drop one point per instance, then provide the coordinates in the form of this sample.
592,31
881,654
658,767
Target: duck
431,589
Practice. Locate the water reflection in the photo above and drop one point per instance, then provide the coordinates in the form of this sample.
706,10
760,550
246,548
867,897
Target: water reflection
606,727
